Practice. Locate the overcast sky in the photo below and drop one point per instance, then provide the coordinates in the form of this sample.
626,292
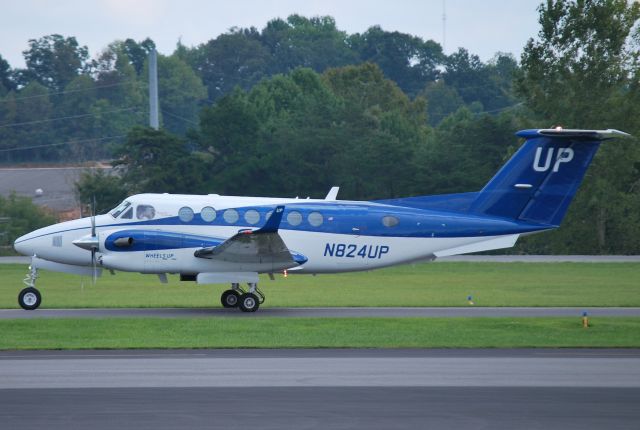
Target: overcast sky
482,26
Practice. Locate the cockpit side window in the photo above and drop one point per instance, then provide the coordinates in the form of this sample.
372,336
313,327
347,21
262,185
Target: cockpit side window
128,214
121,207
145,212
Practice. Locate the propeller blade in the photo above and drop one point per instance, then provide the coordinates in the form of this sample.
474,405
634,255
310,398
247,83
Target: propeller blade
93,216
93,265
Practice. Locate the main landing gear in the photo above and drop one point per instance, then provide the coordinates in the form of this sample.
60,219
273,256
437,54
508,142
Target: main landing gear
29,298
247,301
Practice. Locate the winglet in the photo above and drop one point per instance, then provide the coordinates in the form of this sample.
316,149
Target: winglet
333,193
273,223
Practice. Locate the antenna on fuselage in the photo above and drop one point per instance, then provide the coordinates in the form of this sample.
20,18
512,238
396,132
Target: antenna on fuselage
332,194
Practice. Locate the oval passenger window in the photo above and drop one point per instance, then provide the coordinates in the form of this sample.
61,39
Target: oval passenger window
390,221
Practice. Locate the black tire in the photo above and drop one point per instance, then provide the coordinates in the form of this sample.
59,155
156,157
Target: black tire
249,302
29,299
230,299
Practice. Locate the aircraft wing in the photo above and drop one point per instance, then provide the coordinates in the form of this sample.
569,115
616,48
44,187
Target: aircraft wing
262,246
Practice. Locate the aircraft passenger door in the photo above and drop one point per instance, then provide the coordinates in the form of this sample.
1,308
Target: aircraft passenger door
357,220
349,251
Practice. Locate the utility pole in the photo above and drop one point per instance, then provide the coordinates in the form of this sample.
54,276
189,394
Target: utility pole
154,121
444,25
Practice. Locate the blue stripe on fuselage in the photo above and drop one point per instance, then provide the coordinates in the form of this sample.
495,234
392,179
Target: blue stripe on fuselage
366,220
147,240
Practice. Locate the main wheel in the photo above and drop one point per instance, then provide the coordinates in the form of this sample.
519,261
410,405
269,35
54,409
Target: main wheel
230,299
249,302
29,299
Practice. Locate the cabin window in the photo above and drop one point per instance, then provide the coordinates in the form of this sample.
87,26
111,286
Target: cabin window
231,216
208,214
128,214
57,241
390,221
145,212
315,219
185,214
294,218
252,216
121,207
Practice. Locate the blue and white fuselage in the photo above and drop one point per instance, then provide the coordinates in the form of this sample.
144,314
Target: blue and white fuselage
333,236
214,238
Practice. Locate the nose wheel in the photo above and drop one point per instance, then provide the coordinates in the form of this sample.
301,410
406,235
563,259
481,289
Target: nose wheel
247,301
30,298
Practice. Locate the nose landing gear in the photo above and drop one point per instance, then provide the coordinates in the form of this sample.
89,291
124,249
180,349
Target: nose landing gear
247,301
29,298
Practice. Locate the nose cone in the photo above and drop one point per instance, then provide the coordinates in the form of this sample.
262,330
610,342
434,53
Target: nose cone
87,242
22,245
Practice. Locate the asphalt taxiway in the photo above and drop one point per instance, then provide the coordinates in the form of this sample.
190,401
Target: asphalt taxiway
324,389
338,312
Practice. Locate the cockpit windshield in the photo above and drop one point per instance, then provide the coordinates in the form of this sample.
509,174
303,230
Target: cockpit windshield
121,207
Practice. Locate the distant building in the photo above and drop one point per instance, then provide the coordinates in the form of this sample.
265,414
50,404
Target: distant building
49,187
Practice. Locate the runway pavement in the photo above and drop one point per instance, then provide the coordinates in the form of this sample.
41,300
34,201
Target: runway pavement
341,312
324,389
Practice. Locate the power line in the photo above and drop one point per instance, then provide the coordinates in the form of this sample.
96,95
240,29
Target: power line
98,139
506,108
69,91
16,124
164,111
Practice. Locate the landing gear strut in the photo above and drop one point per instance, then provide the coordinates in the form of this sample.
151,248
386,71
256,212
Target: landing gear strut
29,298
247,301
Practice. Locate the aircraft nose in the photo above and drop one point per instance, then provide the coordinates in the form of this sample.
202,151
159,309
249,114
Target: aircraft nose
23,246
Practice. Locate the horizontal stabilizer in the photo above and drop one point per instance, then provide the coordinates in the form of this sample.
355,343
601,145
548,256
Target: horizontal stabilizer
572,133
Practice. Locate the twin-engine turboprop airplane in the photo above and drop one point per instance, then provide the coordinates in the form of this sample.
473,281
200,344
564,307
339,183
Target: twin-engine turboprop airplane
227,239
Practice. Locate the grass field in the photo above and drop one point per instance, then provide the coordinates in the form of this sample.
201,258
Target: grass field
432,284
317,333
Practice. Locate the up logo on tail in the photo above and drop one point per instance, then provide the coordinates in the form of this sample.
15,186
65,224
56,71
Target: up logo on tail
564,155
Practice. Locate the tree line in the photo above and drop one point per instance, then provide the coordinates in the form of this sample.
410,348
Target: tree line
301,106
81,106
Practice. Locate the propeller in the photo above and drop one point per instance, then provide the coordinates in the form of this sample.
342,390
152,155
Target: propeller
91,243
94,248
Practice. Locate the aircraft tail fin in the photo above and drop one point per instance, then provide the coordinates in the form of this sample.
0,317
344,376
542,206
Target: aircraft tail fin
539,182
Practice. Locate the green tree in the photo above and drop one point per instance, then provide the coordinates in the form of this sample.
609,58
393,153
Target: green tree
465,150
475,81
442,101
160,162
382,132
54,60
315,43
137,52
6,79
236,58
106,188
581,72
408,60
8,112
181,93
20,216
34,105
